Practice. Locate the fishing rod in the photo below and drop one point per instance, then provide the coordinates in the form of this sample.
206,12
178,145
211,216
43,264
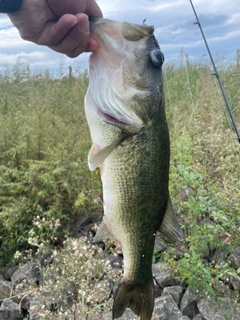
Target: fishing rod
216,74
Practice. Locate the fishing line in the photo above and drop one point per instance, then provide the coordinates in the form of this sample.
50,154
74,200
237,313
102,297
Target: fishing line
145,19
216,74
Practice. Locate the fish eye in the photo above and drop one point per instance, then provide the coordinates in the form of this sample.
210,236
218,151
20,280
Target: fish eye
157,57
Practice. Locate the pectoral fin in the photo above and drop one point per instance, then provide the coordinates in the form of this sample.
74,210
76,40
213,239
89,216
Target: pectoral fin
96,158
170,227
91,154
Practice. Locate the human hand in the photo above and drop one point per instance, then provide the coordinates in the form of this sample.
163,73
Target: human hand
61,25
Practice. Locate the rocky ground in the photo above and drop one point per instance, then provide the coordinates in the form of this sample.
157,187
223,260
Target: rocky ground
173,300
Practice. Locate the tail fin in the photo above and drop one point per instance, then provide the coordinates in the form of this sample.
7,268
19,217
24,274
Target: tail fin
138,297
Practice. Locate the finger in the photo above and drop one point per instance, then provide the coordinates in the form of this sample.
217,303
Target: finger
93,45
77,39
93,9
55,31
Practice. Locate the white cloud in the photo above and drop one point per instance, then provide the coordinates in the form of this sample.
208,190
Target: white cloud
215,7
116,7
165,5
10,38
229,35
5,21
10,59
234,18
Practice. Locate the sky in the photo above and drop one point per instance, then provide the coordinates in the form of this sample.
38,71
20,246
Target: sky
174,29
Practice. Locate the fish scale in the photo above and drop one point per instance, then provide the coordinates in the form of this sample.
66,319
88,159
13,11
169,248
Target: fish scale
139,193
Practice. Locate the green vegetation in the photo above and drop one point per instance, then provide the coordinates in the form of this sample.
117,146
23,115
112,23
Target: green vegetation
44,141
45,182
205,173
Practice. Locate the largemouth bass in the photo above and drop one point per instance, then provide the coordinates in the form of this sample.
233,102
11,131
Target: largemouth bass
124,107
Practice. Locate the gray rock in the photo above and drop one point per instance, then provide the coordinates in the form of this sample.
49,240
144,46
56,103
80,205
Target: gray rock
63,299
235,258
235,283
2,272
223,289
188,304
10,311
116,261
27,302
198,317
107,316
6,291
29,272
8,270
184,318
166,309
50,300
128,314
104,290
184,194
29,305
163,275
175,291
160,245
157,289
5,288
222,309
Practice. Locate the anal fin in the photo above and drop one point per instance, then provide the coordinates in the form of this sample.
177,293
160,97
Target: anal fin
103,233
170,227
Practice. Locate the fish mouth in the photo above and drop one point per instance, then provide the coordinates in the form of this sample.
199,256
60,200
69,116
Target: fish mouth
130,31
114,38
